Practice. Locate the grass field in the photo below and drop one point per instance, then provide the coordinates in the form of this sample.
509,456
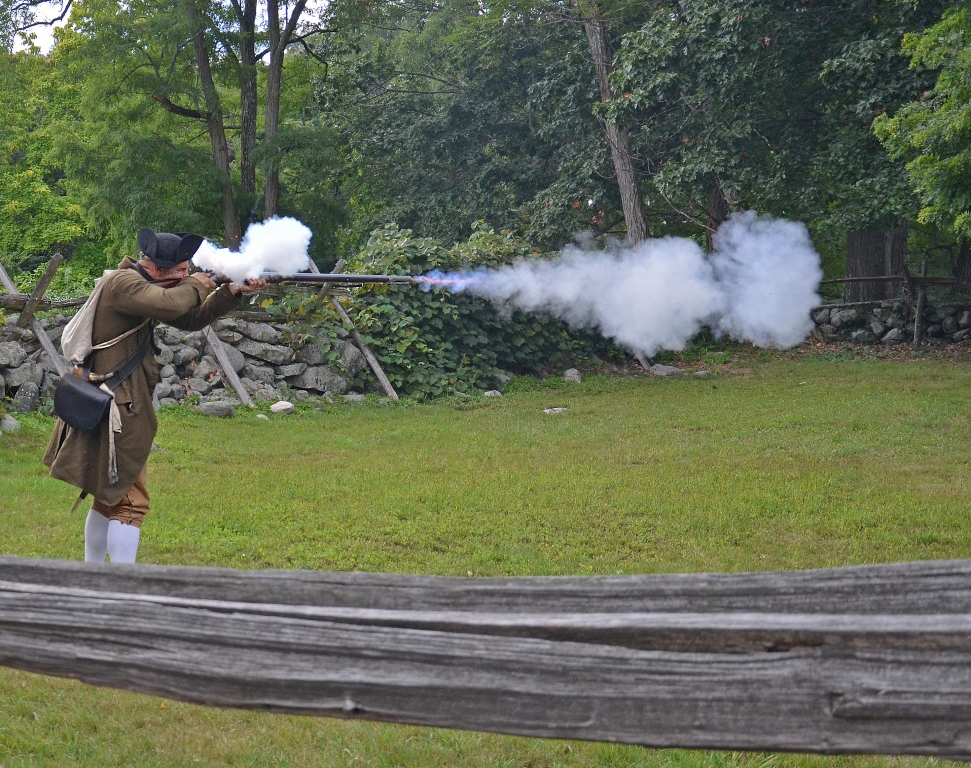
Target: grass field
772,464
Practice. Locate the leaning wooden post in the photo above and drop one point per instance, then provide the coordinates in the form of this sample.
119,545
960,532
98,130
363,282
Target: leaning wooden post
39,290
35,324
217,347
358,341
919,310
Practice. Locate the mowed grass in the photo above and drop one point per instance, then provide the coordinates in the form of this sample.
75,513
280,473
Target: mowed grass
786,464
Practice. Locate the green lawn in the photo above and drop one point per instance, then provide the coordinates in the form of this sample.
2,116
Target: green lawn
783,464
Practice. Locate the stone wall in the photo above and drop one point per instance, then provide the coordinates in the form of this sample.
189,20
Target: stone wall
892,322
272,362
276,364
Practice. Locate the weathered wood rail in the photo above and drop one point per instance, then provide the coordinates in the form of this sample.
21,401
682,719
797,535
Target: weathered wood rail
873,659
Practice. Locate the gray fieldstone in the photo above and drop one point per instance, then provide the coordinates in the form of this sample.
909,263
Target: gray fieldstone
9,424
265,392
492,393
282,407
963,334
572,374
230,337
351,358
262,417
26,398
156,405
665,371
312,354
216,381
293,369
169,335
200,386
29,371
946,311
877,328
934,330
895,336
949,325
206,367
3,388
12,355
196,339
321,378
353,397
829,331
175,381
259,373
271,353
164,355
259,331
221,396
503,378
218,408
820,316
224,324
236,358
301,394
862,336
841,317
702,374
166,371
964,319
166,401
163,389
184,354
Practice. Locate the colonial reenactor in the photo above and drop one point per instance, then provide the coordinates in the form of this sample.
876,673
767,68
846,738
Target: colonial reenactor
108,461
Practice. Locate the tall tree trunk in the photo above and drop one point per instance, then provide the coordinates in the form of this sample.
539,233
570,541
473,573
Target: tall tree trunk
962,266
874,253
279,40
246,15
618,139
718,211
217,129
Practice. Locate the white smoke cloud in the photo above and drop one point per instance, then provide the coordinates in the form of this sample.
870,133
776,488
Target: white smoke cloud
275,245
758,286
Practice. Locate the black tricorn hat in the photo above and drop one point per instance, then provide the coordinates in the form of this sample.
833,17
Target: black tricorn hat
166,249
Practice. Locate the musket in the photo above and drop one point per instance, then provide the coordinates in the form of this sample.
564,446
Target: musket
324,278
312,278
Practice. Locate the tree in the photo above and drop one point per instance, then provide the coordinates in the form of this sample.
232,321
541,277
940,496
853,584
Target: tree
768,105
933,132
187,57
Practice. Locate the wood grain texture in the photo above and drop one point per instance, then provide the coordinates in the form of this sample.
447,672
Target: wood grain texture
873,659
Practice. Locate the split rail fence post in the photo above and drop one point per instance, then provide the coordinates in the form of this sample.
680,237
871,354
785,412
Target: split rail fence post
217,346
919,310
358,341
32,302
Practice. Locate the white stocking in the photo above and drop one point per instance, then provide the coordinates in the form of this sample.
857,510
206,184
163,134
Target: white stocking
122,542
95,537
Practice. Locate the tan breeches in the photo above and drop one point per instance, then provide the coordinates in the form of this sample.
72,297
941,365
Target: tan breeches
131,509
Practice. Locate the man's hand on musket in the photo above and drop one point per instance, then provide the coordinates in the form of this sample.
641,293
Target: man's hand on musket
205,278
250,285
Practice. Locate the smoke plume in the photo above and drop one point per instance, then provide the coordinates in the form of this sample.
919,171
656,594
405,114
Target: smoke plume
759,286
275,245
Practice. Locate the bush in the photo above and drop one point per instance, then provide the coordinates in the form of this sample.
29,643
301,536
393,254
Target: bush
430,343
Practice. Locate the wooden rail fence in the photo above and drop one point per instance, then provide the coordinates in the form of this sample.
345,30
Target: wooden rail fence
873,659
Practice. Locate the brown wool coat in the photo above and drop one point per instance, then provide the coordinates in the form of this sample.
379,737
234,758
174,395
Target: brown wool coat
81,458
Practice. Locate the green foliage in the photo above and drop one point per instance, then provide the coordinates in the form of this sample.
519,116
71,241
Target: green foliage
773,102
36,213
430,343
933,133
451,114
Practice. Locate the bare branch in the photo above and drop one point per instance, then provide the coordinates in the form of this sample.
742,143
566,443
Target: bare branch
175,109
